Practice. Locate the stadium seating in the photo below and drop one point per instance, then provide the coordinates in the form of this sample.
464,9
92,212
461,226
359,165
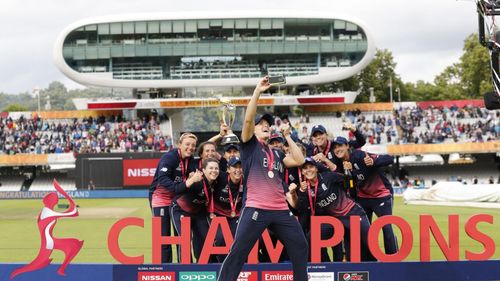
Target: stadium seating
141,71
482,169
11,183
44,182
292,68
217,69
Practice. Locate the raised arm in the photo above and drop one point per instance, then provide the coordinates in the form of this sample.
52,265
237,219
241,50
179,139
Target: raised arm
222,132
382,160
360,139
248,124
291,196
295,158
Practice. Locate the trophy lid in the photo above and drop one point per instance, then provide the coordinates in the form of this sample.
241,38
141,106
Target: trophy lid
225,100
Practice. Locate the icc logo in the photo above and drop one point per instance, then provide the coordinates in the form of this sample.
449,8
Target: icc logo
46,221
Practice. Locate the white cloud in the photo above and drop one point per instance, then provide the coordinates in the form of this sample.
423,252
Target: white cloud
424,36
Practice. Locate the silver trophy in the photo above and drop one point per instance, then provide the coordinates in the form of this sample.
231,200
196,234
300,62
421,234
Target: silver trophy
226,113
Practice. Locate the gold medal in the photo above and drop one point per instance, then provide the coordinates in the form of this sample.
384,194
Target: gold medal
233,214
212,215
270,174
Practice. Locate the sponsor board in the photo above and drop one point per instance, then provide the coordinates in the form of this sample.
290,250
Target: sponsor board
138,172
277,276
248,276
197,276
353,276
155,276
321,276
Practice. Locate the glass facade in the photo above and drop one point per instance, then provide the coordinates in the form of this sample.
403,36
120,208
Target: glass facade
214,48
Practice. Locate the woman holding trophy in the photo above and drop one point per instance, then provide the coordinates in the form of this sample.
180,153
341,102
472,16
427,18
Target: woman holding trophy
225,137
265,202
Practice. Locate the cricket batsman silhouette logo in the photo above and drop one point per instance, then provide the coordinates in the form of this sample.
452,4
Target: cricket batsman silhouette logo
46,221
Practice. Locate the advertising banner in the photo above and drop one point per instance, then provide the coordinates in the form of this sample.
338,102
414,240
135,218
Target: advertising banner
139,172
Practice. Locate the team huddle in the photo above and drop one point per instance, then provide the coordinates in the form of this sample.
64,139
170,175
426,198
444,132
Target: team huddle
271,182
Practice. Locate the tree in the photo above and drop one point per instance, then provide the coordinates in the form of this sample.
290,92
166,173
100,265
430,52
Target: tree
14,107
376,75
475,70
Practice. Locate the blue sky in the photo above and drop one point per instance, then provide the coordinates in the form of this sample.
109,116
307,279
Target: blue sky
425,36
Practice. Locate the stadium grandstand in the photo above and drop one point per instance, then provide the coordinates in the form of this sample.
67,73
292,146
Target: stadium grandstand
451,141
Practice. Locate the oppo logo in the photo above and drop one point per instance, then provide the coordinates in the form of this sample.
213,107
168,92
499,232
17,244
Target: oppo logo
197,276
141,172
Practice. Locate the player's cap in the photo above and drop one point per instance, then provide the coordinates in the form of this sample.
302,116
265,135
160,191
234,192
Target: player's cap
340,140
310,160
266,116
231,146
318,128
276,136
233,161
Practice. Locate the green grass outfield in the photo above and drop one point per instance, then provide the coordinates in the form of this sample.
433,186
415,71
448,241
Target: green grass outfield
19,238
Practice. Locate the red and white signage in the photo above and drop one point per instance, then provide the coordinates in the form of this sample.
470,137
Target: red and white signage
277,276
248,276
139,172
323,99
155,276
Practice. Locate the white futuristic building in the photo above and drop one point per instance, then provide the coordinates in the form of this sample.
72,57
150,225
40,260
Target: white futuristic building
212,49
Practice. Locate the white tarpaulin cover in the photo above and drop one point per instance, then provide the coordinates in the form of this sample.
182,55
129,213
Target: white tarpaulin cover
455,192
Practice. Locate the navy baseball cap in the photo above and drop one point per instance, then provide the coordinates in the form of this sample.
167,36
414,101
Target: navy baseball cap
340,140
318,128
266,116
310,160
231,146
276,136
233,161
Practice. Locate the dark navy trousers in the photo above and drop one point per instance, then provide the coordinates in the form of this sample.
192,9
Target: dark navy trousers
381,207
219,238
199,228
327,231
164,214
250,227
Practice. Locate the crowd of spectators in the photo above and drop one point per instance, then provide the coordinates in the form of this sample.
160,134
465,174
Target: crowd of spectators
115,134
436,125
419,126
88,135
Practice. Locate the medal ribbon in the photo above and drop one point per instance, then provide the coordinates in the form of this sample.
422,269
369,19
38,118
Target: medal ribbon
316,150
209,199
183,165
313,204
232,202
269,157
